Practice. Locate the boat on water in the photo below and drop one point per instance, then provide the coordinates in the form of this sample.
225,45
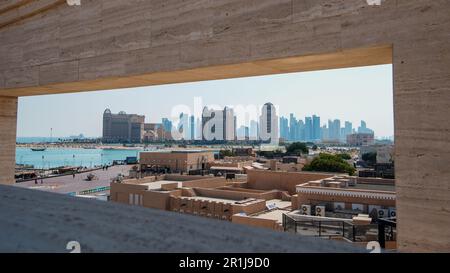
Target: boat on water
41,149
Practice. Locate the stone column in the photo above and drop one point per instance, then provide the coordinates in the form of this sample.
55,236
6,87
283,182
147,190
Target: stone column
8,124
422,142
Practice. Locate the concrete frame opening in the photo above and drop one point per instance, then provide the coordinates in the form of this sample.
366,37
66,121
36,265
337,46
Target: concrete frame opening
53,48
351,58
378,55
294,64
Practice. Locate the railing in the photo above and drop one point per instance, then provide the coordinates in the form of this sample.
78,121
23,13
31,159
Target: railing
331,228
90,191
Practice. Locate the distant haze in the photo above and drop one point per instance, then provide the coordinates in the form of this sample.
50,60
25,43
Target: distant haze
354,94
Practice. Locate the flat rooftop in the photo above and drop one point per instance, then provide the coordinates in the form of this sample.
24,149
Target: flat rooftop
204,198
343,183
157,184
375,187
272,215
279,203
224,168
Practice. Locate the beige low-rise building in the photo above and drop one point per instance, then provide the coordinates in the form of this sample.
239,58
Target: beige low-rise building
230,165
176,161
347,195
316,204
198,195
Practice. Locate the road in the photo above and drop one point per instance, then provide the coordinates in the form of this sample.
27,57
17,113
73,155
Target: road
68,184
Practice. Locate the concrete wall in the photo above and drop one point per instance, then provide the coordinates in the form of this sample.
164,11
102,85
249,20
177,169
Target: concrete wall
8,123
128,188
250,208
159,199
317,199
150,199
256,222
372,180
236,195
206,182
268,180
105,44
176,161
211,209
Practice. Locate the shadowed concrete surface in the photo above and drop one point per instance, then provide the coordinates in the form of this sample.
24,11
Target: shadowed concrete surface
51,48
36,221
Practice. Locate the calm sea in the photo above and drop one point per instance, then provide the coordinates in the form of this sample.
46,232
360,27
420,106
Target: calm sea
55,157
37,139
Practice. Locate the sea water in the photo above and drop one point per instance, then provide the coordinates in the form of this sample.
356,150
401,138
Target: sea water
56,157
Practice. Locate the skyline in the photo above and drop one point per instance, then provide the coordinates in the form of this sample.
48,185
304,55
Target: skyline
120,126
364,86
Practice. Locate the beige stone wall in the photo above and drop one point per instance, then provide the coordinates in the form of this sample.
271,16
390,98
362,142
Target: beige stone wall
268,180
150,199
211,209
262,194
250,208
370,180
108,44
119,192
176,161
206,182
294,202
158,200
317,199
256,222
289,167
236,195
8,123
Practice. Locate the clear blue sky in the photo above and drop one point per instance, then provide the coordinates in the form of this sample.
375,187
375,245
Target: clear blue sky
354,94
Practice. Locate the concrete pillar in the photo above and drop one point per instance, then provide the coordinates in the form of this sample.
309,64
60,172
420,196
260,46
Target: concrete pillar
273,165
8,124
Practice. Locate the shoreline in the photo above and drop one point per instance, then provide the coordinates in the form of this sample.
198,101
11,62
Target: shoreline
77,146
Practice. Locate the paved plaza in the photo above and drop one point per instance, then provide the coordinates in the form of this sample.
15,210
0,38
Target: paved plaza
69,184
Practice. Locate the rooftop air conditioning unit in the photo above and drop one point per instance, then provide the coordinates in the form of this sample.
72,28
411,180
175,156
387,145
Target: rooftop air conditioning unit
383,213
305,210
392,213
320,211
